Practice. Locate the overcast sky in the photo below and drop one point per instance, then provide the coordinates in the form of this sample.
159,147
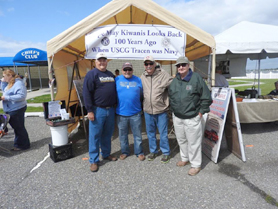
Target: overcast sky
31,23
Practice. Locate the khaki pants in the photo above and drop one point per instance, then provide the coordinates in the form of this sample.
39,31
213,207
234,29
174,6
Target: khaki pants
189,136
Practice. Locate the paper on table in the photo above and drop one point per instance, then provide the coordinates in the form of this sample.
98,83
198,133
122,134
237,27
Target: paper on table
250,100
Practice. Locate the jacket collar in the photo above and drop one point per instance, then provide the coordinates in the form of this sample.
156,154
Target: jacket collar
156,71
186,78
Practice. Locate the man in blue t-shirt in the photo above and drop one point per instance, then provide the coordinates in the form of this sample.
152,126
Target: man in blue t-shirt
129,108
99,92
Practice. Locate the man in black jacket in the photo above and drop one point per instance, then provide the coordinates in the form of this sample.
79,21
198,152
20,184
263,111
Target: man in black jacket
190,98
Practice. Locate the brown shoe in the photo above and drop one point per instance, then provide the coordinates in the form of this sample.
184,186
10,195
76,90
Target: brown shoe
16,149
94,167
141,157
123,156
110,158
182,163
193,171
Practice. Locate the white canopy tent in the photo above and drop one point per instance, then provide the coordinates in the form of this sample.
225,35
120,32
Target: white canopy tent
245,40
68,48
249,38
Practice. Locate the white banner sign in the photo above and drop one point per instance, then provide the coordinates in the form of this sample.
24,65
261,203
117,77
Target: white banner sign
130,41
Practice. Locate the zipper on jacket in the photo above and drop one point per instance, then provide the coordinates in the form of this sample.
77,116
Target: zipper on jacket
180,91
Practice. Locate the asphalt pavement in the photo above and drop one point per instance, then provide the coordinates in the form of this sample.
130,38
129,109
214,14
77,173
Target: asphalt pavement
30,179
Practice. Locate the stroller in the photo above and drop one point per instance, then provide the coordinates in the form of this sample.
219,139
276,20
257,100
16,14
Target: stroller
4,120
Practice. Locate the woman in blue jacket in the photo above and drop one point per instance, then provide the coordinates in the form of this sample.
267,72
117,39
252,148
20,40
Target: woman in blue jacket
14,104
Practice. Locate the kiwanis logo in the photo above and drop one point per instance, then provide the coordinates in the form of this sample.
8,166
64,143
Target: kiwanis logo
106,79
128,84
105,41
188,87
165,42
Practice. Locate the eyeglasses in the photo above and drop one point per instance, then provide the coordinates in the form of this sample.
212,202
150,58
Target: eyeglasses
148,63
127,69
183,65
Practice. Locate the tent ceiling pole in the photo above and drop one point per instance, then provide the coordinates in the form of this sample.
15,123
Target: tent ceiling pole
192,43
115,19
130,15
71,53
68,52
146,18
76,50
196,48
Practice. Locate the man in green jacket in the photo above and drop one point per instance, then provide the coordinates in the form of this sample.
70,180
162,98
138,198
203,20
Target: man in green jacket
189,98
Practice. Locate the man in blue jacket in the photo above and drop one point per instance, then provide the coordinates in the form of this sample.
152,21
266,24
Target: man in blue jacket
189,98
100,98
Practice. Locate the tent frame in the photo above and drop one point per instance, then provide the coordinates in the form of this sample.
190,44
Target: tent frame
71,41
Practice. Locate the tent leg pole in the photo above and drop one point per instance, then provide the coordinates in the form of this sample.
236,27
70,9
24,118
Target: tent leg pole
209,71
50,76
259,75
29,75
213,68
40,76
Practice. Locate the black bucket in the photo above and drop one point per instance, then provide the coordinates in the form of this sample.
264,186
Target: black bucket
253,92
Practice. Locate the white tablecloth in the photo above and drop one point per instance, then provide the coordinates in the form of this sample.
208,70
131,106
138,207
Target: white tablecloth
257,111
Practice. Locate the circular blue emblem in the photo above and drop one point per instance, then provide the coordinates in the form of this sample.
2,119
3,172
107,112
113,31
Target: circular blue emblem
105,41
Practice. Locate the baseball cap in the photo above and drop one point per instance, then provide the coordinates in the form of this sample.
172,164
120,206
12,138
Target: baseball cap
181,60
149,58
127,65
101,55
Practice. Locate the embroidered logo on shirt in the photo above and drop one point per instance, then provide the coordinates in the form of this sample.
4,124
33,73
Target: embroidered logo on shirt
188,87
106,79
128,84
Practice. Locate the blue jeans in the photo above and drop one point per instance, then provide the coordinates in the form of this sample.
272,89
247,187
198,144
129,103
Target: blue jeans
16,121
135,124
159,121
100,133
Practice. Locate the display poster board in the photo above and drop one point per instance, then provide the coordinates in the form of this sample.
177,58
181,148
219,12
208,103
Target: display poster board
54,108
233,130
223,105
78,84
